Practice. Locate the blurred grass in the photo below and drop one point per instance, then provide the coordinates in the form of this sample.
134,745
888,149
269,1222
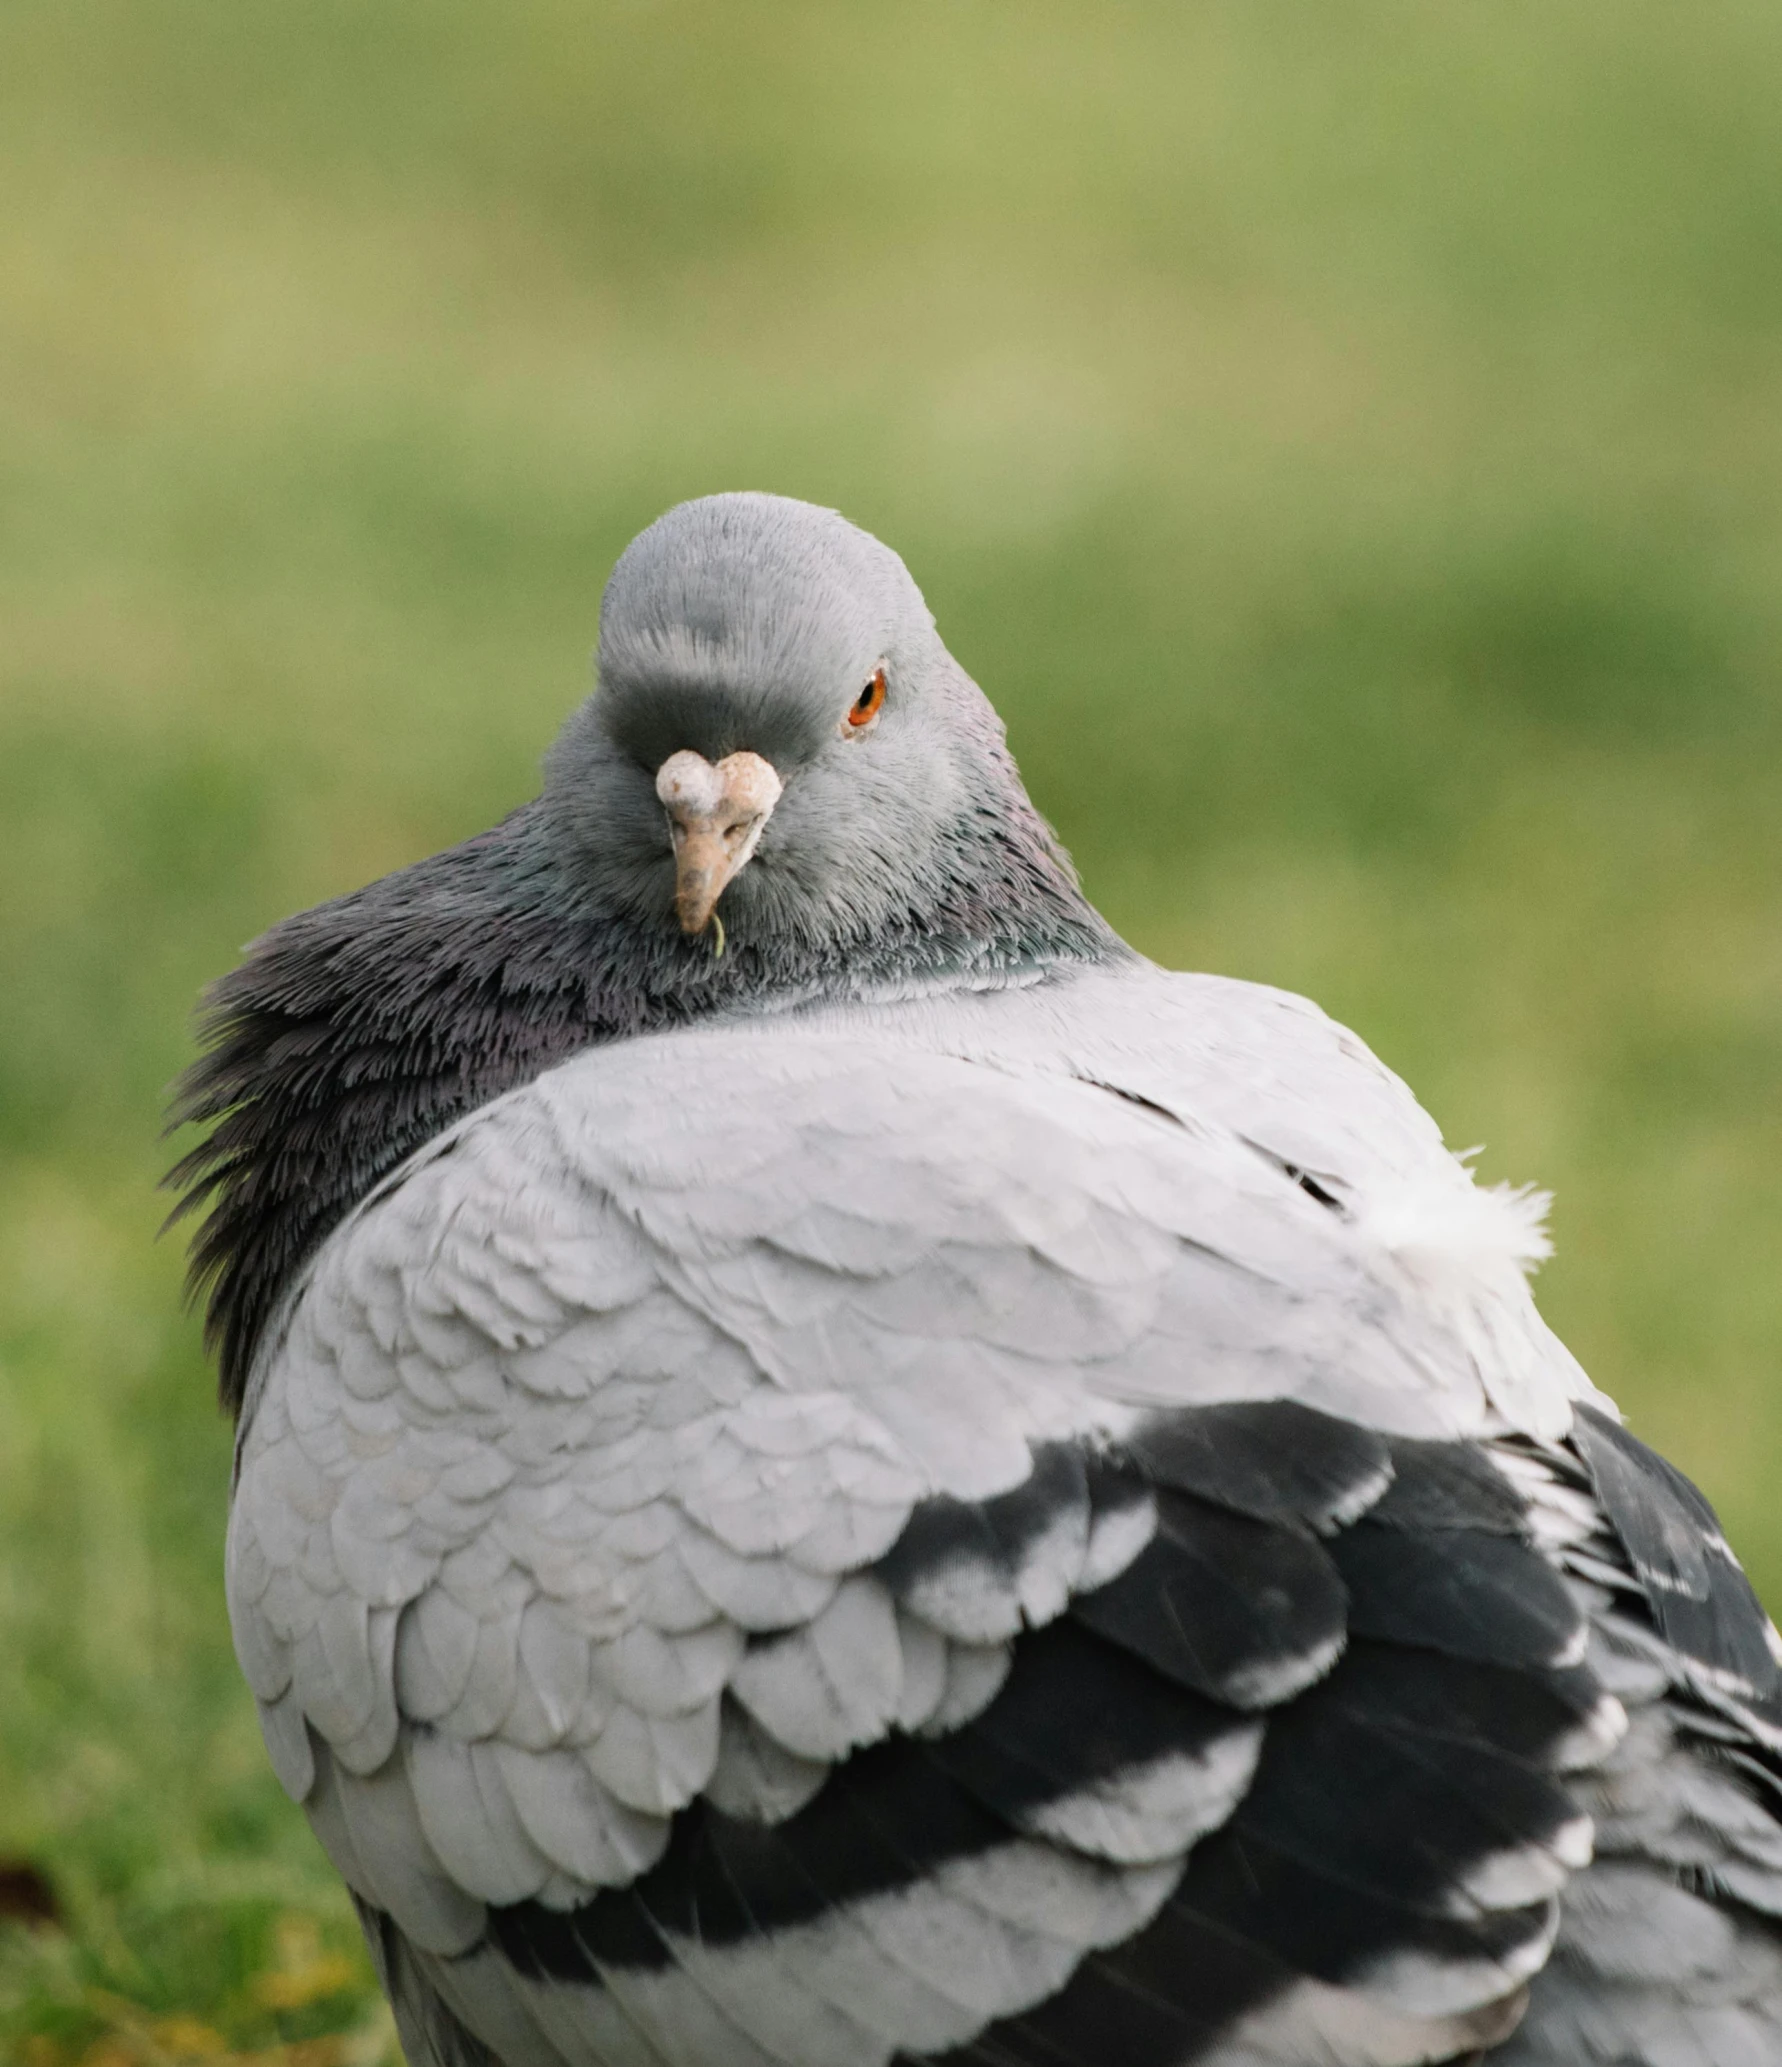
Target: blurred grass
1345,440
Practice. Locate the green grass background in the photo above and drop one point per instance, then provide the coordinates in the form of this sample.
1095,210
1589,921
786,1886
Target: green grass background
1345,439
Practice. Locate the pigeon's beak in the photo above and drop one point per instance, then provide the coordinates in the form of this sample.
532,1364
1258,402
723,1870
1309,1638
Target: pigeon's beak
715,816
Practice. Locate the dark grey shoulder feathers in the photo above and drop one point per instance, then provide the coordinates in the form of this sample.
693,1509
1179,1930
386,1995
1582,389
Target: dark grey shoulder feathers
353,1033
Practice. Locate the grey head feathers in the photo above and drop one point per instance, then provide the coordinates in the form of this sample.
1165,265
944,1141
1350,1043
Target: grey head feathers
901,855
752,623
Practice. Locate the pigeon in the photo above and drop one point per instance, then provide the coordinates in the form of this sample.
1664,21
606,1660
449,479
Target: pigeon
835,1469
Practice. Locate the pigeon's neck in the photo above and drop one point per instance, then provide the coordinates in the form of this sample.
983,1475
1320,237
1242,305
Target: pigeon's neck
354,1033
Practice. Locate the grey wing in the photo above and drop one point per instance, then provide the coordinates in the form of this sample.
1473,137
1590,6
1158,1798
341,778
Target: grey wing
1670,1947
787,1552
1290,1784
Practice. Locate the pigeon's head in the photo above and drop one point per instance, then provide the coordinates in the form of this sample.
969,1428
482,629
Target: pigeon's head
779,747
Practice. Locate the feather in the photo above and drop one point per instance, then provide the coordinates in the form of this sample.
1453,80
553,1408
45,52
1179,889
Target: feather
655,1763
287,1744
573,1821
553,1683
833,1684
1270,1459
1461,1591
758,1594
975,1676
1449,1485
1085,1745
976,1570
1700,1598
756,1779
1236,1609
404,1877
436,1645
469,1820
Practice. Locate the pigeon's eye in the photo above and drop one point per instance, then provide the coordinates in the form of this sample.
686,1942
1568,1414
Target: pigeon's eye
871,700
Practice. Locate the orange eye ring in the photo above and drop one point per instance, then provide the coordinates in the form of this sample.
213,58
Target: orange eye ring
871,700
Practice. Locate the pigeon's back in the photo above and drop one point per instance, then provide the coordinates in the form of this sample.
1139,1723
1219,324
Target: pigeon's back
1036,1524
